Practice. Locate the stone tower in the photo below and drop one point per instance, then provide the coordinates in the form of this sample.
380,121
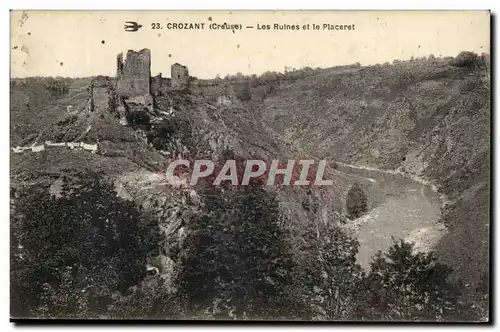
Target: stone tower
134,73
133,85
179,76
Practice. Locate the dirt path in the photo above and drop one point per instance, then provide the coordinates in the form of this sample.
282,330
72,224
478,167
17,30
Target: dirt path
406,209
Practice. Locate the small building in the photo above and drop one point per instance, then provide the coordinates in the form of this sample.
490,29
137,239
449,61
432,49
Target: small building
179,76
224,100
49,144
90,147
38,148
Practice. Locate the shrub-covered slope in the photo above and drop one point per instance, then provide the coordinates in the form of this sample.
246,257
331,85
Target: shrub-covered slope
425,118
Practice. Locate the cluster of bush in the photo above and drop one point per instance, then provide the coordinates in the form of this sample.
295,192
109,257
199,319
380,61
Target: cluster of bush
356,202
84,254
70,254
57,86
470,60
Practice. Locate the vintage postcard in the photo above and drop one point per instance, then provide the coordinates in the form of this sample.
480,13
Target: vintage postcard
250,165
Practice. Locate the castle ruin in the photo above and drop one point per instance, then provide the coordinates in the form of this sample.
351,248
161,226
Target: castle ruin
134,73
179,76
133,84
101,94
132,94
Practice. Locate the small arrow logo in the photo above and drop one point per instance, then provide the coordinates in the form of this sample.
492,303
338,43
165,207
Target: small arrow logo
132,26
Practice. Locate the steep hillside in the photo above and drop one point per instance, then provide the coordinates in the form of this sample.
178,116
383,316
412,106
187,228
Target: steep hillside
135,155
36,101
206,251
427,119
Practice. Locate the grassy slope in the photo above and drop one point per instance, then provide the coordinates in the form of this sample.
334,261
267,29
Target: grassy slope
33,105
46,118
427,117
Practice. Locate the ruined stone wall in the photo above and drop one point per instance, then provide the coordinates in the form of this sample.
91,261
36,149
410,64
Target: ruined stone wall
144,103
179,76
100,98
102,94
133,87
134,73
156,84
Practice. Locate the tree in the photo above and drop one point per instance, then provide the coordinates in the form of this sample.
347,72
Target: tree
406,285
328,276
234,262
356,202
77,249
243,92
57,86
151,300
466,59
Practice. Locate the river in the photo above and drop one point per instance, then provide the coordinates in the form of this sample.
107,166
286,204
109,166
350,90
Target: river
402,208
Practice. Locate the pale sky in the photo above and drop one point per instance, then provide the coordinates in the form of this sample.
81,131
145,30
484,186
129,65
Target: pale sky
85,43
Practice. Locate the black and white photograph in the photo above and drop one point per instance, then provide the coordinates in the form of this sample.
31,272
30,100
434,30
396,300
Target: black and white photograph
293,166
